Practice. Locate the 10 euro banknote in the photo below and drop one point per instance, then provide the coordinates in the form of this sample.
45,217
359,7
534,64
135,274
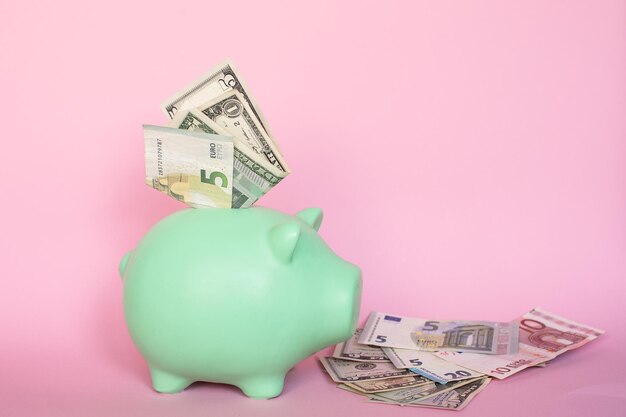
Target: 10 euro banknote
543,337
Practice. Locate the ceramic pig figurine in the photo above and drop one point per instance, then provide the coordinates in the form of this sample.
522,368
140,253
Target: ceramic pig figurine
236,297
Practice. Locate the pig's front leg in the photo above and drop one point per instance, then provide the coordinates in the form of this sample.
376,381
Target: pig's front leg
168,383
262,386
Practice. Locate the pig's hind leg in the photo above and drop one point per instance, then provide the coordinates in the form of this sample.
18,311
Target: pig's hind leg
167,382
262,386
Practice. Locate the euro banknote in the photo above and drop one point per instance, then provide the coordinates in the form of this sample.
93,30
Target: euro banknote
429,365
543,336
484,337
193,167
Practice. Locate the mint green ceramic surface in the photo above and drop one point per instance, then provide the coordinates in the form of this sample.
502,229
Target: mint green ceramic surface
236,297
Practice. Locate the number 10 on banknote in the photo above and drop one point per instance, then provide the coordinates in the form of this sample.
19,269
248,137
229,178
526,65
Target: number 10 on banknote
433,335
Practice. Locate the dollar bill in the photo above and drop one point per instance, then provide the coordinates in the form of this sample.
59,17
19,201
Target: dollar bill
455,399
422,389
389,384
349,389
350,371
354,351
218,80
429,365
253,176
231,111
543,336
193,167
414,394
485,337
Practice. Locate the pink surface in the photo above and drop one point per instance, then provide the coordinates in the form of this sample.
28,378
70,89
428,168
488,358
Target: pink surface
469,156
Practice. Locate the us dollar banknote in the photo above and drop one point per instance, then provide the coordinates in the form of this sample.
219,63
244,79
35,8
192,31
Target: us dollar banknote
253,176
350,371
484,337
218,80
352,350
415,394
389,384
231,111
543,337
455,399
193,167
429,365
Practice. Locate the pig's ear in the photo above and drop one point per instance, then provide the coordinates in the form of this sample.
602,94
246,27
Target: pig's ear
283,240
311,216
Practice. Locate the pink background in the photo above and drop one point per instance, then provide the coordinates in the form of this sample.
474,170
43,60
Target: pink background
469,156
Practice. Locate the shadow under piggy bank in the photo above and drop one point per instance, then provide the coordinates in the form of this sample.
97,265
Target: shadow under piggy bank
236,297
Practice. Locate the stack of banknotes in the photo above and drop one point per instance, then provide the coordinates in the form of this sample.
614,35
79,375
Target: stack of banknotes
217,150
445,364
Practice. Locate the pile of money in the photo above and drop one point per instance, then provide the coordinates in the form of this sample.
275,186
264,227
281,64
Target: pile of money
445,364
217,151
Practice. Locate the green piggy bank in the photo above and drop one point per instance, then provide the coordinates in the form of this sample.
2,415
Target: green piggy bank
236,297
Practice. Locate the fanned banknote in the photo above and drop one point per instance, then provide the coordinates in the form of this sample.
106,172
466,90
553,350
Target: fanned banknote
485,337
543,336
193,167
354,351
225,100
253,176
456,377
429,365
